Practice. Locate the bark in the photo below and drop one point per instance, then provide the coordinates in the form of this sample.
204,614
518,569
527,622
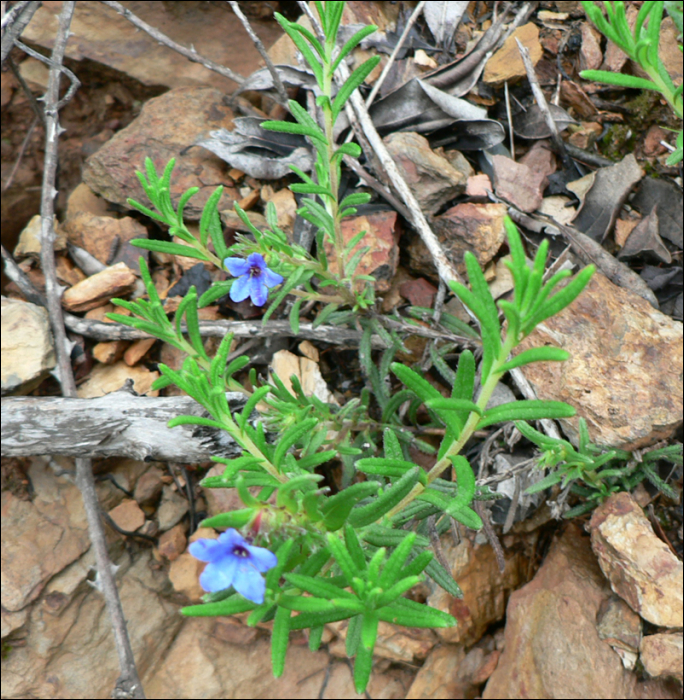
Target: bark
119,424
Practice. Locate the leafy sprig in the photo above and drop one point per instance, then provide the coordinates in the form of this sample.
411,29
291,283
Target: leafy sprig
594,472
641,45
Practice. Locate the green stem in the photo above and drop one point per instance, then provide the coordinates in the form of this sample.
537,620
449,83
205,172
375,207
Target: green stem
468,429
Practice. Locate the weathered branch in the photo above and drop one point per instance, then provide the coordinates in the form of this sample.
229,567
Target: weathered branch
119,424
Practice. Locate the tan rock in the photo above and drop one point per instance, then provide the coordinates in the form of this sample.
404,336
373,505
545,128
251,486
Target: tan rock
137,350
518,183
107,378
127,515
639,565
27,346
506,63
109,351
624,371
662,655
111,171
478,228
106,238
557,611
382,237
115,281
30,239
172,543
432,178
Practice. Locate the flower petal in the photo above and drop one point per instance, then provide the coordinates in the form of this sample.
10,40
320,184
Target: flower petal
263,559
271,279
249,582
206,549
258,291
257,260
241,288
219,575
236,266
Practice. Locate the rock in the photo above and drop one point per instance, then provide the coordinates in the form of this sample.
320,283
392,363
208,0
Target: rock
173,543
591,55
106,238
97,30
624,371
478,228
506,63
28,352
541,159
620,626
30,239
109,351
419,292
127,515
172,508
557,611
115,281
137,350
110,172
40,537
382,236
639,565
107,378
432,178
285,204
149,487
518,183
662,655
475,570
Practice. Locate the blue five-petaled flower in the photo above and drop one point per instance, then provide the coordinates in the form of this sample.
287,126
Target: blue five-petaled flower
233,562
253,278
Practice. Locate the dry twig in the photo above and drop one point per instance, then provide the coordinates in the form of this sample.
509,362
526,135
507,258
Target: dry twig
128,682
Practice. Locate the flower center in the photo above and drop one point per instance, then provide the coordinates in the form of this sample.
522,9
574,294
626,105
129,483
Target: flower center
240,551
254,271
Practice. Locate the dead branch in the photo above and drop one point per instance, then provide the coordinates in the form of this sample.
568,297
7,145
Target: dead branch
120,424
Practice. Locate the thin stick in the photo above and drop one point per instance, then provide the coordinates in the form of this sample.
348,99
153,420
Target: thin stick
282,92
129,680
378,83
509,118
540,99
190,53
445,268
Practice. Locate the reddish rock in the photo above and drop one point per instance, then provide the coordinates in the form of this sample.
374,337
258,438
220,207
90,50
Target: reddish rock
419,292
518,184
115,281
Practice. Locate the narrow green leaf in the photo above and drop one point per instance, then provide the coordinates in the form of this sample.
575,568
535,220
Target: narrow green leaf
563,298
618,79
443,578
336,509
526,410
411,614
294,128
280,636
317,587
542,354
460,405
342,557
352,82
395,564
236,518
208,213
232,606
365,515
355,40
168,247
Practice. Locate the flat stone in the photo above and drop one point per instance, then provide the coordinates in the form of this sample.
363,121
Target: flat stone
506,63
519,184
639,565
30,239
107,378
115,281
128,515
557,611
662,655
28,352
111,171
625,366
431,177
382,237
478,228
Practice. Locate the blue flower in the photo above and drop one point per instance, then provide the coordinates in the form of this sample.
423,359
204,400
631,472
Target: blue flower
253,278
233,562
